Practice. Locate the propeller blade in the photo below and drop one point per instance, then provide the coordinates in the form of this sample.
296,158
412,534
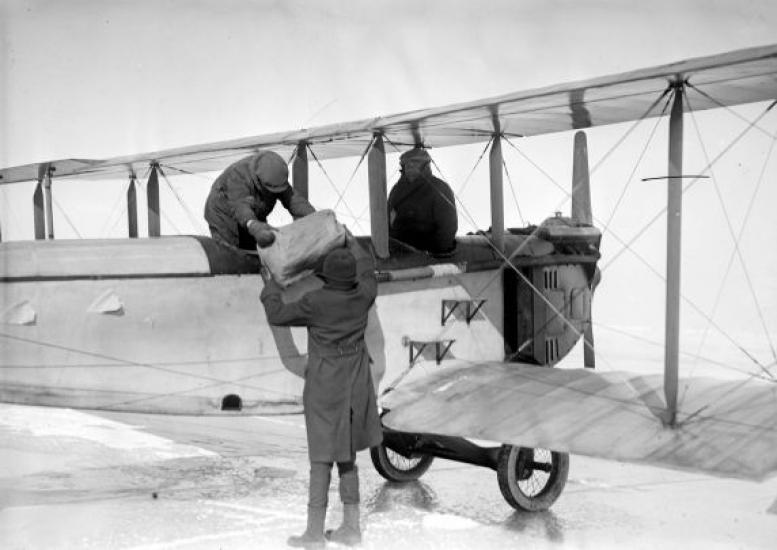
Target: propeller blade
581,189
589,357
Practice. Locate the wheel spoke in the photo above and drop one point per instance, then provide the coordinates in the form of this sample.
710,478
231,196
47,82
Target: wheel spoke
400,462
536,473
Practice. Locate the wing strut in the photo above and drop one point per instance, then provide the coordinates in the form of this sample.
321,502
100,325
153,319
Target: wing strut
376,173
43,213
49,200
132,208
152,195
37,205
299,170
497,194
673,241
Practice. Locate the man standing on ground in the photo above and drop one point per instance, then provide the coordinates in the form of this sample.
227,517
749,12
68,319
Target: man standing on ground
244,195
341,414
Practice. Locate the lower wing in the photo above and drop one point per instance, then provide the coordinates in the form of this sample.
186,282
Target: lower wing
726,428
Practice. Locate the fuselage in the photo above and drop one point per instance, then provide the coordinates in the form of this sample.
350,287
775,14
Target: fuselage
175,324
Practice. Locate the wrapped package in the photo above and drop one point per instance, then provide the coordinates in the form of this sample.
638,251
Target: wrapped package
301,246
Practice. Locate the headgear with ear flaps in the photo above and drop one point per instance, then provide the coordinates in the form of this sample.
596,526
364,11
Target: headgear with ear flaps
416,154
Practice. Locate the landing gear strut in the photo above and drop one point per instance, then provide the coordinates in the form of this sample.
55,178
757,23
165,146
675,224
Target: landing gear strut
529,479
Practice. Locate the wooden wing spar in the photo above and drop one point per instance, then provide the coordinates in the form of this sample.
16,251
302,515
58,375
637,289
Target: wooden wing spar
725,428
738,77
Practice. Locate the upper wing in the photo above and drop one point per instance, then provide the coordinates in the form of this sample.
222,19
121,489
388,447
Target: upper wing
724,427
733,78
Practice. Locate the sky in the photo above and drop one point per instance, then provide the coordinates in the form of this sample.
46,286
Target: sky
93,79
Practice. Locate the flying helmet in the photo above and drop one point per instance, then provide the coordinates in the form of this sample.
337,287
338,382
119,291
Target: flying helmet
417,154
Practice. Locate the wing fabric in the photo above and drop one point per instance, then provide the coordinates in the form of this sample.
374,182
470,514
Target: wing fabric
725,428
737,77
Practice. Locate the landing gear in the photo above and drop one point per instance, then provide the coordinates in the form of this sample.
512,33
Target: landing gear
531,479
395,467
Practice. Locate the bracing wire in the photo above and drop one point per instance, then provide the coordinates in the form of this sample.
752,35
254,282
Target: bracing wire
12,214
358,218
176,363
512,190
736,239
215,384
628,247
294,153
687,187
628,132
187,172
397,150
356,168
729,109
506,262
533,234
119,362
116,219
67,218
568,194
195,221
477,163
636,166
685,299
337,190
695,356
110,223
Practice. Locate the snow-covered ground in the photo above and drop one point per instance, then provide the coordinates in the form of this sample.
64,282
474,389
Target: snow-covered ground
73,479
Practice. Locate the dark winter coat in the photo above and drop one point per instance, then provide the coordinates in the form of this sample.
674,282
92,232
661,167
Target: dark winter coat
341,413
424,214
238,196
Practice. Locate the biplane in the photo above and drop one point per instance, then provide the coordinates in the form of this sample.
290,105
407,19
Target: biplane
173,324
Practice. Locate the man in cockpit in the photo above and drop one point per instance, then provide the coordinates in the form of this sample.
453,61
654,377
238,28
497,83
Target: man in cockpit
244,194
422,211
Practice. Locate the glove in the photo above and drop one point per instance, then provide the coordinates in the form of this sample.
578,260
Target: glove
262,233
264,238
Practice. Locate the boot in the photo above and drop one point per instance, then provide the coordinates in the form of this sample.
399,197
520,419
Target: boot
313,537
349,533
318,498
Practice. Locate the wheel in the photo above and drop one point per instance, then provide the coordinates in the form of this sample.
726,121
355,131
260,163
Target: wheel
531,479
395,467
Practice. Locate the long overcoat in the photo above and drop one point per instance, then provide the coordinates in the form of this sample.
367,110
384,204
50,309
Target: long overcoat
341,414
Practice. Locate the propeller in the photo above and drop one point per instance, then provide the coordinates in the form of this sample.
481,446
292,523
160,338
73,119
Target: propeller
582,215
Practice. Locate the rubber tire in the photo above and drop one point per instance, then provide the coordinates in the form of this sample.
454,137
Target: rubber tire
381,459
507,475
